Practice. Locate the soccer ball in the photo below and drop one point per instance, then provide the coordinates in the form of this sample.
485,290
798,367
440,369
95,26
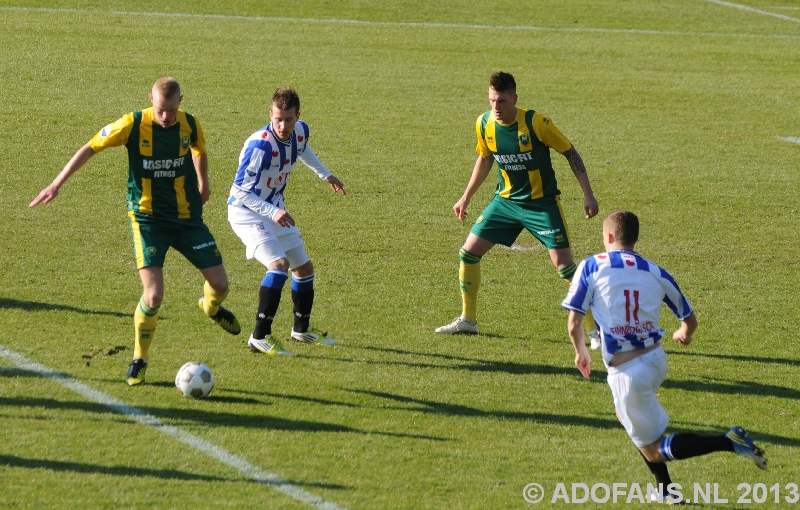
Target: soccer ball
195,380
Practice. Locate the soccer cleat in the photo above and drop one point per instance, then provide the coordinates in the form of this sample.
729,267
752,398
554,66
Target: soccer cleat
312,336
666,499
225,319
136,372
267,346
744,446
459,325
594,339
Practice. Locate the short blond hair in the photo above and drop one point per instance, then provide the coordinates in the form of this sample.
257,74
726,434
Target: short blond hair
168,87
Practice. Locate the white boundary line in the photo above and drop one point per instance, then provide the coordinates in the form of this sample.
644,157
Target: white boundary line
790,139
753,9
255,473
527,28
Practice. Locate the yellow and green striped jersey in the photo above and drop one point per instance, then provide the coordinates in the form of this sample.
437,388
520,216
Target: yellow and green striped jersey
162,181
522,153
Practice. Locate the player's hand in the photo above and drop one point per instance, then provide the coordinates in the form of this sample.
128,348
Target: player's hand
583,360
681,337
460,208
45,196
336,184
283,218
590,206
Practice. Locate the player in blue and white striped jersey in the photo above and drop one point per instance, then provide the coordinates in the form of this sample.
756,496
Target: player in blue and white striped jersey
257,214
624,292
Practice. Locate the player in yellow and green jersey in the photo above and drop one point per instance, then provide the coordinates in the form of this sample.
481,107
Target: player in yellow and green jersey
518,141
167,187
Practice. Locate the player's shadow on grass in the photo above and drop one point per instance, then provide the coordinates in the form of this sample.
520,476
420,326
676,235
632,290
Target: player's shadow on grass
300,398
216,397
470,364
429,406
263,421
733,388
736,357
17,372
34,306
176,416
78,467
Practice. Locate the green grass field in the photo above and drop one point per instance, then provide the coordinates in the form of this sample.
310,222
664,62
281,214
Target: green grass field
677,109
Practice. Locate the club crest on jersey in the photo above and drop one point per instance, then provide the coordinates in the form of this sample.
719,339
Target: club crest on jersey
524,139
184,142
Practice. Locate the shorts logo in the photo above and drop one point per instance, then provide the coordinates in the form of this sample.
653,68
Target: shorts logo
479,220
524,139
105,131
151,251
560,238
184,142
204,245
548,232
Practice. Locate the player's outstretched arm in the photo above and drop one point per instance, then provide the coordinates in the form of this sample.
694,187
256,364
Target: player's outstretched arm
684,334
51,192
590,206
336,184
479,173
583,360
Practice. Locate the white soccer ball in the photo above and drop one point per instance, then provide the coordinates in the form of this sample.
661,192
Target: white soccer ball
194,380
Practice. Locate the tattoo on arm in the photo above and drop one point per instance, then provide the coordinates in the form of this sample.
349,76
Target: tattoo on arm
575,161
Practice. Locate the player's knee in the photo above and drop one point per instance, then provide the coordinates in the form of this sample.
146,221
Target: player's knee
304,270
281,264
153,298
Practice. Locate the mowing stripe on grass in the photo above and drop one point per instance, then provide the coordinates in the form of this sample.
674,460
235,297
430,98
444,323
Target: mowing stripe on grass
412,23
753,9
790,139
253,472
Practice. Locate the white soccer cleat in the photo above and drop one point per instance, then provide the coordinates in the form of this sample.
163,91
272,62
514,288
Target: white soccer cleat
312,336
459,325
267,346
594,339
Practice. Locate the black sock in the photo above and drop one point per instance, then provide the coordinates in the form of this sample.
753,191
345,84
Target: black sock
660,471
303,302
686,445
268,301
303,298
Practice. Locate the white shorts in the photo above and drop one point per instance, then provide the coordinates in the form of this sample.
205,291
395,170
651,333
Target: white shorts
279,242
634,385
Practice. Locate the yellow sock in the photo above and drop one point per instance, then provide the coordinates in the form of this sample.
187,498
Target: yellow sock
145,320
588,319
469,280
212,300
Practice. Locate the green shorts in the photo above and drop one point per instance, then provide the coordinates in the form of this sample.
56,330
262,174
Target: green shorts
152,239
503,220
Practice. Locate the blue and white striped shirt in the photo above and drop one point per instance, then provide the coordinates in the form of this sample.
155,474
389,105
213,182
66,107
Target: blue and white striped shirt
264,166
625,292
